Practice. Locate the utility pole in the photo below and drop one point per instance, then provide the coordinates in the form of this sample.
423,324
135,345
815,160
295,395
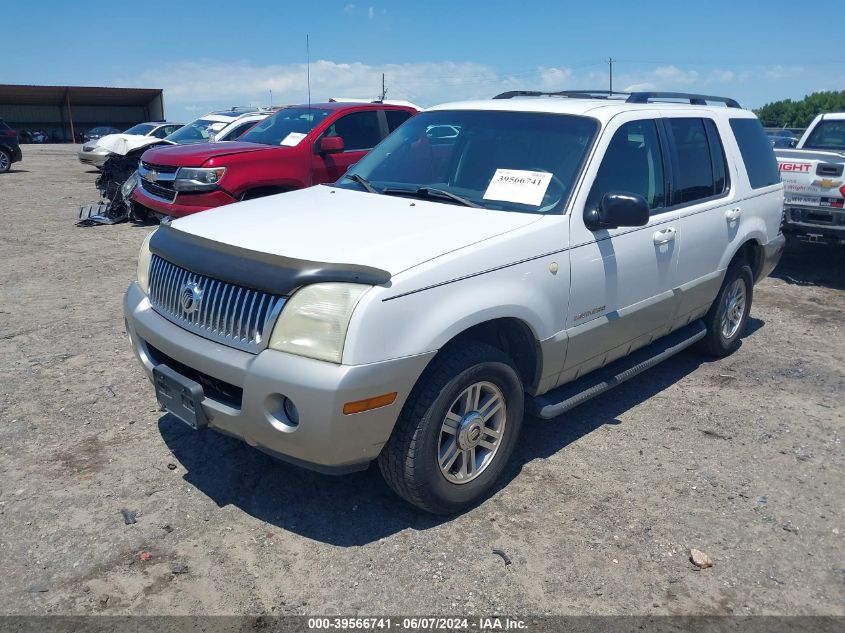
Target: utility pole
610,61
383,90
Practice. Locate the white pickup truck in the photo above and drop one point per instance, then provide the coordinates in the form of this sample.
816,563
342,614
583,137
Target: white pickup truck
530,250
814,184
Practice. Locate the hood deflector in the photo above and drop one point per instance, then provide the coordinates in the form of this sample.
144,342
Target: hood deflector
275,274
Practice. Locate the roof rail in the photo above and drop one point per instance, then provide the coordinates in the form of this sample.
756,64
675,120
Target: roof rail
577,94
694,99
632,97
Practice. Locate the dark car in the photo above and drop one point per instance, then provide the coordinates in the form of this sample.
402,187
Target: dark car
99,132
10,151
782,138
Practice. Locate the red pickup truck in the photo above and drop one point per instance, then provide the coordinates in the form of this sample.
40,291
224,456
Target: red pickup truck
297,147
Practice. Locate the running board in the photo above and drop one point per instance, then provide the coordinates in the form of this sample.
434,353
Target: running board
558,401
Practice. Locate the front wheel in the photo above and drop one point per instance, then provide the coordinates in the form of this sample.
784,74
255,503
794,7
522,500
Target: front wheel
728,316
456,431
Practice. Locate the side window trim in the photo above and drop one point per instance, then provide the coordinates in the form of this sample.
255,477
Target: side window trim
668,167
674,205
714,140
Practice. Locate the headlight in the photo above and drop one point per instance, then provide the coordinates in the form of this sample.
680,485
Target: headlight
314,320
128,187
144,265
198,179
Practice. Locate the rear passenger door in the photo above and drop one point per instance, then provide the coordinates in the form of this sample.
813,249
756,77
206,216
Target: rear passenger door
621,294
705,199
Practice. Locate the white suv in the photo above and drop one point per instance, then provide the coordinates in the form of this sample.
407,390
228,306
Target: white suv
222,125
544,250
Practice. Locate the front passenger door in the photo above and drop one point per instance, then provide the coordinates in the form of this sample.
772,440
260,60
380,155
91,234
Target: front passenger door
621,295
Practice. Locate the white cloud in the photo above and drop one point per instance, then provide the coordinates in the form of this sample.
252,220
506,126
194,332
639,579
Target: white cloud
371,12
643,87
783,72
554,78
189,83
349,8
192,87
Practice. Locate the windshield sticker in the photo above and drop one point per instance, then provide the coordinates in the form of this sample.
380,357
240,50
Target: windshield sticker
292,139
217,126
518,185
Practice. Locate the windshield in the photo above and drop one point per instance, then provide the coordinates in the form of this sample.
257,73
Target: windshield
142,129
199,131
287,127
827,135
513,161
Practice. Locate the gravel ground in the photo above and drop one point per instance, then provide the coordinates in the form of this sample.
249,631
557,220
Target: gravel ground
740,458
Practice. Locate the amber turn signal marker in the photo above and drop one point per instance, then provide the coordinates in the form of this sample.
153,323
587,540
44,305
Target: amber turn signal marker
359,406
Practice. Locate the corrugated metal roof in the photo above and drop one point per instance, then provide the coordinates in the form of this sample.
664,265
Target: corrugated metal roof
81,95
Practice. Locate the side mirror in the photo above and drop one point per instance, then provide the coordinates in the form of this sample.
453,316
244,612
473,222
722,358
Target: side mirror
331,145
617,209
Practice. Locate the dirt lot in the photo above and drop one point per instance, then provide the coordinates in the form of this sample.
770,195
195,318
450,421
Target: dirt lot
741,458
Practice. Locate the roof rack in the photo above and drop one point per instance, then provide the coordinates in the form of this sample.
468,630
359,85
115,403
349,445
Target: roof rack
630,97
694,99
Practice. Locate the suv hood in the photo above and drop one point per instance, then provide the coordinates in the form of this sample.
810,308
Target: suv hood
341,226
196,154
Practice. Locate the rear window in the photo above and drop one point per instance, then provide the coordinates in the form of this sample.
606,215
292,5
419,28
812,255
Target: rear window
757,154
4,126
827,135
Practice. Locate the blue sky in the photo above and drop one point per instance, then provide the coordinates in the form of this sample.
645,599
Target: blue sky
217,54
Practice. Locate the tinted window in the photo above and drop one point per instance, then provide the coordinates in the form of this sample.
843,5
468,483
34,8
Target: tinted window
717,158
694,180
395,118
757,154
161,132
197,131
359,130
827,135
142,129
236,131
633,163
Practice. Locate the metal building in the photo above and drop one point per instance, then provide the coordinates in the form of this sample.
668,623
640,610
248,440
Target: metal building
67,112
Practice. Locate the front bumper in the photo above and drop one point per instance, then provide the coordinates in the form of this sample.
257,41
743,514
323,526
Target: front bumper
184,204
324,439
92,158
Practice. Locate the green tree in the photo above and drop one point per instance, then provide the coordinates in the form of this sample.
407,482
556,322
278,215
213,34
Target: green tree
789,113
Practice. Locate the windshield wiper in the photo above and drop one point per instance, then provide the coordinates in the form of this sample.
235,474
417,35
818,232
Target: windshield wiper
361,181
430,192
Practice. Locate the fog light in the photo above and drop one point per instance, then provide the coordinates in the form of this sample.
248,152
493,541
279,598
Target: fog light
281,413
291,411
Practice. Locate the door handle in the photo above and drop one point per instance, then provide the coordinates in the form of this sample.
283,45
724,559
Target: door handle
665,236
733,214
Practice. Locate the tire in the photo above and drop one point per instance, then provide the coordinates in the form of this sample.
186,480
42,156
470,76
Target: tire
5,161
726,324
411,463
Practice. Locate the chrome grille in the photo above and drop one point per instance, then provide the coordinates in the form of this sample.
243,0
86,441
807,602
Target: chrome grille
234,315
167,193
